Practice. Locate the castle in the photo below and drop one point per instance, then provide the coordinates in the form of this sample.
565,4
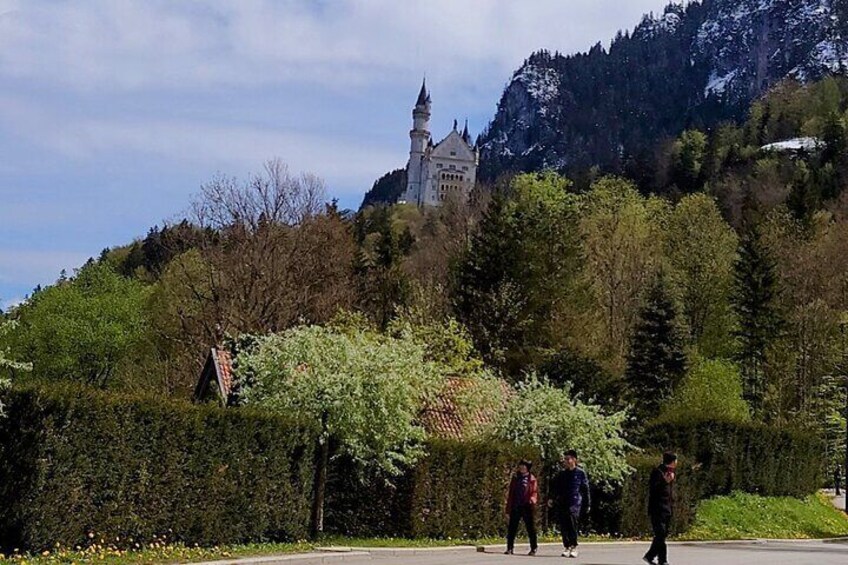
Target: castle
437,172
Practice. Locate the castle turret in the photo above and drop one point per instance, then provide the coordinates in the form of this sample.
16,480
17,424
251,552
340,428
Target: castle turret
419,139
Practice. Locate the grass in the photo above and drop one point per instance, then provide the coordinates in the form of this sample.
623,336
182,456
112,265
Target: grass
746,516
161,551
739,516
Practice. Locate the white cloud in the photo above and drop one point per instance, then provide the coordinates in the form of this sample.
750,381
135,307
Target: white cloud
188,45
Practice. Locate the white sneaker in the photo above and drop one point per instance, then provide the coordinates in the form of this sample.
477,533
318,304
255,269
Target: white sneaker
573,553
566,552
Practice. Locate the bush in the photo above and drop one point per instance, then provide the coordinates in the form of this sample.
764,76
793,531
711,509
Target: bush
458,490
747,457
711,390
77,461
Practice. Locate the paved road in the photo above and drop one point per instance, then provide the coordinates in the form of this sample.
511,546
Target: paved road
735,553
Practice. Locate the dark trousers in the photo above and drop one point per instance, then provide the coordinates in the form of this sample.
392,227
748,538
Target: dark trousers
660,525
837,481
569,525
527,514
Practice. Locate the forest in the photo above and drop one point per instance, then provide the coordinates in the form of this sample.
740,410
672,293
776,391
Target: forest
712,284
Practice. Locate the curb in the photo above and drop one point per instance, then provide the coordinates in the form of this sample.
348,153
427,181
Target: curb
317,557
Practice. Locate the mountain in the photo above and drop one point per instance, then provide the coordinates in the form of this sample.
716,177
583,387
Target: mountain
386,190
690,66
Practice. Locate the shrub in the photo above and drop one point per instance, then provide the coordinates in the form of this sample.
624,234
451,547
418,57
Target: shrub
747,457
76,461
458,490
688,490
711,390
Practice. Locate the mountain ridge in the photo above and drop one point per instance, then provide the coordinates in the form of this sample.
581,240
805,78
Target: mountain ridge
692,65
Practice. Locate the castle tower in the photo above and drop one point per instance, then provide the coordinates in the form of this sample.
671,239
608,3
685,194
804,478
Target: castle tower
419,140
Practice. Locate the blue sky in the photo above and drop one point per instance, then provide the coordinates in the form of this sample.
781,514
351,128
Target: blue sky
114,112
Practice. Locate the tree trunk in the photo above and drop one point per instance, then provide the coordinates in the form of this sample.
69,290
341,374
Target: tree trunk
322,461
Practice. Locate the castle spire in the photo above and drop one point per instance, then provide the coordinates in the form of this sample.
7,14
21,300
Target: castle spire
465,136
423,96
454,124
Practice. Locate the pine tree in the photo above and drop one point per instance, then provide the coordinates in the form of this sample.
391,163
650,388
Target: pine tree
755,304
656,362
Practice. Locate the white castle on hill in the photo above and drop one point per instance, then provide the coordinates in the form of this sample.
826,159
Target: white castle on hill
435,172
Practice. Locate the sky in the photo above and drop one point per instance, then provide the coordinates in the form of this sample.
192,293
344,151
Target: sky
113,113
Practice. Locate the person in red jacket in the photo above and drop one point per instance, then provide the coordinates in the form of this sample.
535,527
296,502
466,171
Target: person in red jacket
521,505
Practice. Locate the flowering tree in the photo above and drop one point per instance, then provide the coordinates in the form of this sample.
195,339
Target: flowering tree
361,391
553,421
6,362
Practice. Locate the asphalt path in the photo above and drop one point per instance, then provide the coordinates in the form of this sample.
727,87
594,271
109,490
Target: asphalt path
724,553
681,553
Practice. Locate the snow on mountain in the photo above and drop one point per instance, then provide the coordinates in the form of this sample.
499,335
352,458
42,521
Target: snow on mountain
703,62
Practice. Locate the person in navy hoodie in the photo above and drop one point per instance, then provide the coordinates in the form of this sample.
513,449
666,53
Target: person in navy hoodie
521,506
570,498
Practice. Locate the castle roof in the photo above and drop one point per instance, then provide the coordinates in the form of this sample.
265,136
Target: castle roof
423,96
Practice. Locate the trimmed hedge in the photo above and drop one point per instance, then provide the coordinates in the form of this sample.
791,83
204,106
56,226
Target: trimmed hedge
688,490
752,458
75,461
458,491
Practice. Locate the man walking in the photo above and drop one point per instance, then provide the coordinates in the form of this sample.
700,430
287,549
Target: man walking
521,506
660,504
570,499
837,479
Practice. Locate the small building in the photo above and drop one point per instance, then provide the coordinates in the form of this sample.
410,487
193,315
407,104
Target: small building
216,379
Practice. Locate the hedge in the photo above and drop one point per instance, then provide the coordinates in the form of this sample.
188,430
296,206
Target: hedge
75,462
688,490
752,458
457,491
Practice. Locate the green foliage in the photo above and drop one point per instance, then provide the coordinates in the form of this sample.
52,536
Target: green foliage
621,235
749,457
584,376
84,328
688,153
688,490
701,251
456,491
711,390
7,364
748,516
448,343
756,306
513,280
551,420
361,390
656,362
77,461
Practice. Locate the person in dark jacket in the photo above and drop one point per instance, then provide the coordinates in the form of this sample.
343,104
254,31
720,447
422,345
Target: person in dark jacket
837,478
660,507
570,498
521,506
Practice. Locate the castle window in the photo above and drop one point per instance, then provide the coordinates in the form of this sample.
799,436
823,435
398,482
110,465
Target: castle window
453,167
438,165
453,153
464,168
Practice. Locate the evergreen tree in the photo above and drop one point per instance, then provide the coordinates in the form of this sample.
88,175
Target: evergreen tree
755,303
656,362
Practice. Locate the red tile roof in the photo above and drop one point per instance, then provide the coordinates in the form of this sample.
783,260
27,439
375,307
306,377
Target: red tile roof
224,369
443,418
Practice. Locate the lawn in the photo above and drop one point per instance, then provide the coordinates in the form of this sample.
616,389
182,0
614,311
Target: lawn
739,516
745,516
